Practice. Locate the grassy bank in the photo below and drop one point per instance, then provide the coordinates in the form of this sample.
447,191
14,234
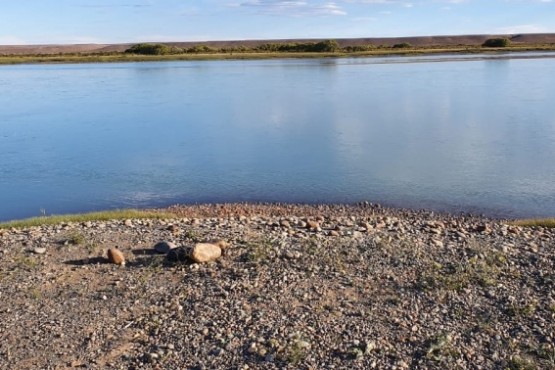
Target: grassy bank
120,214
544,222
127,57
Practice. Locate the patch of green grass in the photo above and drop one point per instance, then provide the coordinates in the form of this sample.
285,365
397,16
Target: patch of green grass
258,251
522,309
458,276
193,236
440,347
35,294
73,237
26,263
540,222
84,217
295,352
521,363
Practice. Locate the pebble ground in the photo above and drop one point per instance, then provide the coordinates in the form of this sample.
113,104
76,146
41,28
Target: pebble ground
300,287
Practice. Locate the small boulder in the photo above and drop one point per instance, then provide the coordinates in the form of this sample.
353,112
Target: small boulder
39,250
174,229
285,224
115,256
367,226
205,252
164,247
312,225
482,228
180,254
437,243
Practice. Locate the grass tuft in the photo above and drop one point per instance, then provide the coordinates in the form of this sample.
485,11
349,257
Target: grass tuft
540,222
121,214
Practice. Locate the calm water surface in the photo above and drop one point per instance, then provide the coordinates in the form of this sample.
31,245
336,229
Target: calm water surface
469,134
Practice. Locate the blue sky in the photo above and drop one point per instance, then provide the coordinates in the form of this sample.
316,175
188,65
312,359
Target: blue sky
119,21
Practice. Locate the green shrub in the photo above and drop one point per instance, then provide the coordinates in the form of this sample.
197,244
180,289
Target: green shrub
153,49
355,48
403,45
327,46
497,43
201,49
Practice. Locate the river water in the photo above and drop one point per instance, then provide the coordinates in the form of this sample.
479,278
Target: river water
450,133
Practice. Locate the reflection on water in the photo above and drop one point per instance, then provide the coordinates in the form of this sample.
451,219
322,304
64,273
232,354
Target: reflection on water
468,134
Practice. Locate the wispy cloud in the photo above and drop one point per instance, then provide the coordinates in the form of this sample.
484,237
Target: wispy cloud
522,28
137,4
11,40
294,8
378,2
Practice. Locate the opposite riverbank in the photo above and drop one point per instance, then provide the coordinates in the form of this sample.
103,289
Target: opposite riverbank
323,286
272,49
128,58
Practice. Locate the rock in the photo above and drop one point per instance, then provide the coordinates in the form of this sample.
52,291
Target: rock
285,223
292,255
164,247
39,250
437,243
174,229
513,230
312,225
367,226
333,233
357,235
205,252
180,254
115,256
128,223
482,229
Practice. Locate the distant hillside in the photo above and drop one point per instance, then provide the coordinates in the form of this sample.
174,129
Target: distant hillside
539,38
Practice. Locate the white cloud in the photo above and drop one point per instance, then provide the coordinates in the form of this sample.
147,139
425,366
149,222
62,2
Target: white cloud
11,40
522,28
293,8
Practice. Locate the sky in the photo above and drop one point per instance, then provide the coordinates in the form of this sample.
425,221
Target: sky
26,22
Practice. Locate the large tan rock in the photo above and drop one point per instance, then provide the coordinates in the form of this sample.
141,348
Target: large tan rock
115,256
205,252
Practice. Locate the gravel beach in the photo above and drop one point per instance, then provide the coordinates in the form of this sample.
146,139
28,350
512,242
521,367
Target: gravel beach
298,287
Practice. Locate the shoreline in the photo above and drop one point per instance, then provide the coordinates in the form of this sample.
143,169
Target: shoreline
261,209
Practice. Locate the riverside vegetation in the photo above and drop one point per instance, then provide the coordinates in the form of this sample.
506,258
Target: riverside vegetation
297,287
268,50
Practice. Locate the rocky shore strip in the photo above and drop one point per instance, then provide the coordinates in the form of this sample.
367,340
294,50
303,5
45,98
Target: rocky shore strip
295,287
